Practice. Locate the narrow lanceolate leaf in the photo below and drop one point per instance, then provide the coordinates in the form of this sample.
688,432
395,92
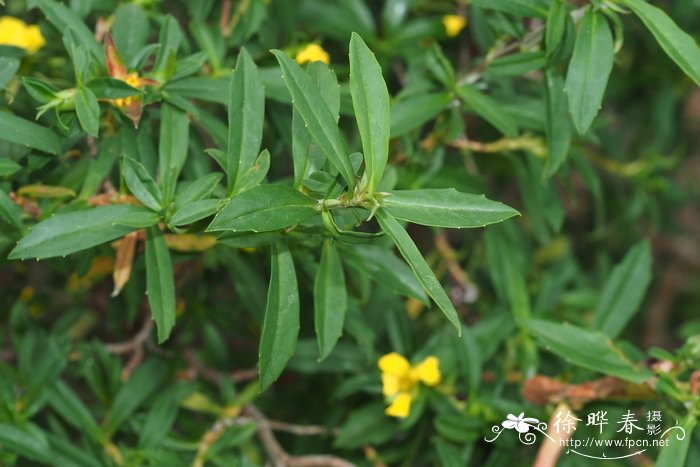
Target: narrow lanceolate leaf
308,156
172,152
677,44
9,211
558,122
63,234
488,109
27,441
199,189
587,349
20,131
529,8
64,18
370,99
308,102
624,291
160,285
141,184
246,108
589,69
88,110
676,452
281,324
445,208
555,25
254,174
420,268
330,300
195,211
416,110
263,208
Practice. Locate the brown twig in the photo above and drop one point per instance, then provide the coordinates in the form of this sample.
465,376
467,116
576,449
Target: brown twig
212,374
225,17
278,456
543,390
135,343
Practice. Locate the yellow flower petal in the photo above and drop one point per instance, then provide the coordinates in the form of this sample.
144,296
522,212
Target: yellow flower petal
391,384
394,364
428,371
35,40
400,406
313,53
453,24
15,32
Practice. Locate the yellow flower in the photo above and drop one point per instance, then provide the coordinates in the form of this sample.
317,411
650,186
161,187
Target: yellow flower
133,80
17,33
313,53
399,379
453,24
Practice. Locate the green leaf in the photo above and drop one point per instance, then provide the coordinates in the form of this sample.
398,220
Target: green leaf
255,174
587,349
387,269
63,234
281,325
558,128
88,110
307,155
141,184
367,425
65,19
162,415
20,131
64,401
142,383
370,99
8,68
675,454
160,284
589,69
169,39
309,103
489,109
530,8
28,441
9,211
505,264
8,167
130,30
414,111
195,211
110,88
263,208
420,268
330,299
624,291
172,151
198,189
246,109
469,359
677,44
445,208
517,64
555,25
211,42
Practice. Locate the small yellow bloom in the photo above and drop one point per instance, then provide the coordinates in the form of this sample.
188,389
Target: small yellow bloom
453,24
399,380
313,53
133,80
17,33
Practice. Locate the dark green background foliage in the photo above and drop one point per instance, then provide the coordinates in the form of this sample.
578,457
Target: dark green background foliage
291,224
